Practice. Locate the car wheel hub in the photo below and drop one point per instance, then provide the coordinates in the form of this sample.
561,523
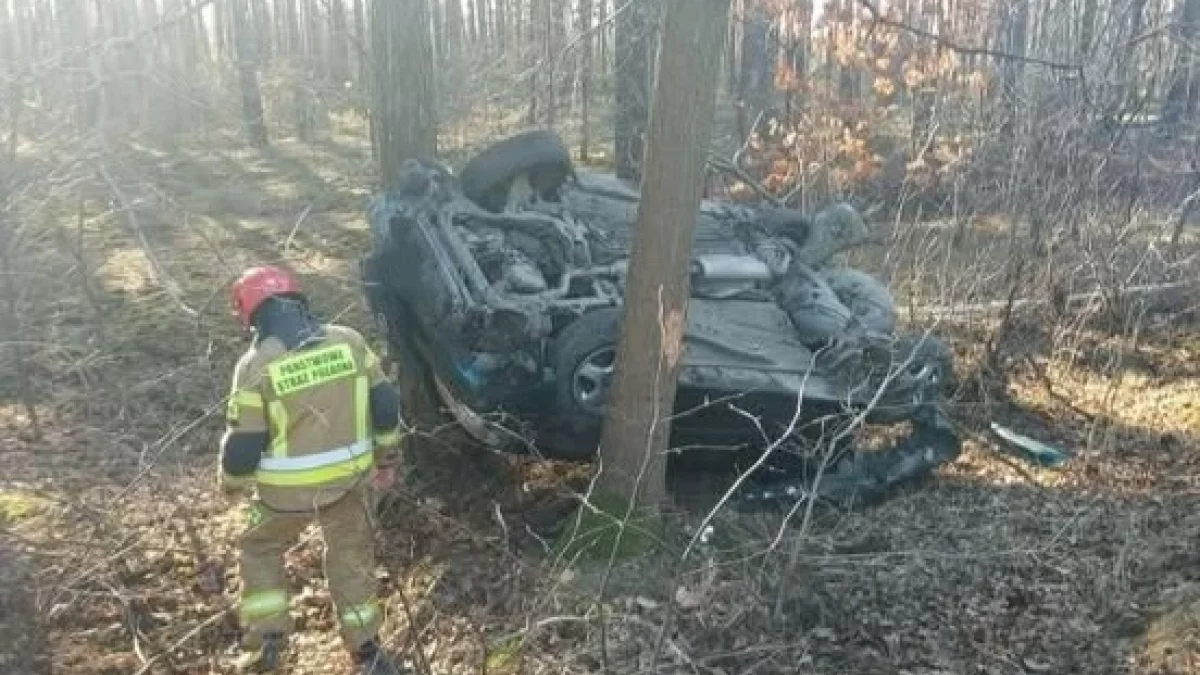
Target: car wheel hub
593,378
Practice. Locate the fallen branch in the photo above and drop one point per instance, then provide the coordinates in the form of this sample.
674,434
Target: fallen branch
185,639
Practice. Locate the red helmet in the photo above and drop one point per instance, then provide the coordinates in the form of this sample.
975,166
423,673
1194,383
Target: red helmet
257,285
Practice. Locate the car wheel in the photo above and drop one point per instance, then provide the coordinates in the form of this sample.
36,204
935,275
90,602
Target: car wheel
585,359
539,155
931,358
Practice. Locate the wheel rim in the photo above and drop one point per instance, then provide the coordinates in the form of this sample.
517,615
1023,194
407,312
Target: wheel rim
592,379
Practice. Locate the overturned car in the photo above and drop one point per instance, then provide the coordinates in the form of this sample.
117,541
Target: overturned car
502,287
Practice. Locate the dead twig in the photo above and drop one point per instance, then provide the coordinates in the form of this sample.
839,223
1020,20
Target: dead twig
722,164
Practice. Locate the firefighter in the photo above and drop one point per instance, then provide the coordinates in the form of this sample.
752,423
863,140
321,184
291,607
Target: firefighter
312,427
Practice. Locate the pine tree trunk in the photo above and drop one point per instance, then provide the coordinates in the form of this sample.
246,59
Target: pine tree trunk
1181,92
403,123
339,45
501,22
585,78
203,44
10,96
602,20
555,27
635,35
481,21
637,427
536,27
1087,29
362,56
247,63
220,29
454,30
756,78
1016,37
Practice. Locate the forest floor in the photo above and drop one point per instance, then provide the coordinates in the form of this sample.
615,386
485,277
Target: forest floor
117,555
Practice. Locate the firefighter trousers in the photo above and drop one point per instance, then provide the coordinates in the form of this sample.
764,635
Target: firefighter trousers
349,568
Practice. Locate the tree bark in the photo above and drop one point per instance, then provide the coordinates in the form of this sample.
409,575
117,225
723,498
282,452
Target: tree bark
453,31
650,350
339,44
481,22
1181,93
757,72
635,31
247,64
585,78
1015,39
1087,29
501,22
362,56
403,122
555,27
602,20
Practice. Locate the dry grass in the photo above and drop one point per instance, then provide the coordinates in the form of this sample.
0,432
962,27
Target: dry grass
118,553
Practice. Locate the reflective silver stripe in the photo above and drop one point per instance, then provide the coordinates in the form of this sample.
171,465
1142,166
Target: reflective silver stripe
317,461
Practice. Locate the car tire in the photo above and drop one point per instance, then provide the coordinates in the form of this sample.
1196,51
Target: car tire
585,349
487,179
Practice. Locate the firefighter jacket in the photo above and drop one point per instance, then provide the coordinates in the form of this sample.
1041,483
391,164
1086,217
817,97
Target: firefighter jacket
305,426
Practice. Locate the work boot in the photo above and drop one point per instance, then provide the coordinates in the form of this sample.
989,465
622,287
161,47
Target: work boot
372,660
266,658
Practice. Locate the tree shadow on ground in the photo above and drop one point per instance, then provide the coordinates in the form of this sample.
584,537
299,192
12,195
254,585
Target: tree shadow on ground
23,648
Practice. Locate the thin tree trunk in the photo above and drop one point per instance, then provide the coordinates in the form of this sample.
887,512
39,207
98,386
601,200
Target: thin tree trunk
501,22
454,30
17,340
602,20
555,26
253,118
481,21
650,350
1181,93
536,26
635,33
756,77
363,56
339,44
472,25
203,45
1016,37
585,78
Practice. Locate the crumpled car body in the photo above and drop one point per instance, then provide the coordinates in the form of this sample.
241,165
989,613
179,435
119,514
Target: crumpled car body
507,282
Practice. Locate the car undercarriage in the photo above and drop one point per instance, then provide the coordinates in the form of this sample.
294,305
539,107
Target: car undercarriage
504,285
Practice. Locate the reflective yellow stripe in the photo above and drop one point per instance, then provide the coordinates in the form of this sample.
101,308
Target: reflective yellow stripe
326,474
279,420
361,616
241,399
263,604
362,408
389,438
249,399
